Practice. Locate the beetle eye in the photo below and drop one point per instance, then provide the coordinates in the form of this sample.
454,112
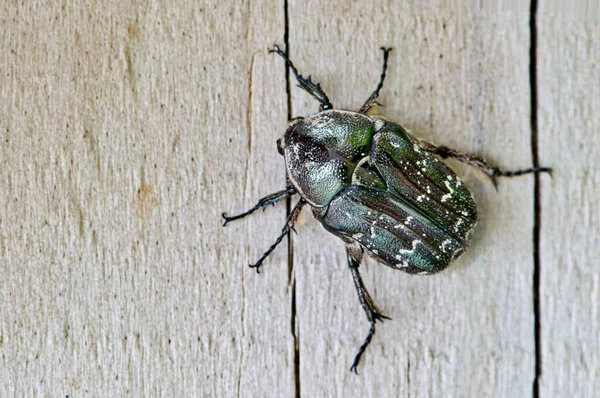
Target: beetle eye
280,146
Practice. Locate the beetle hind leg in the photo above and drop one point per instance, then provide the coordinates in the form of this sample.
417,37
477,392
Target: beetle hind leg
354,253
263,203
289,226
492,171
307,84
367,105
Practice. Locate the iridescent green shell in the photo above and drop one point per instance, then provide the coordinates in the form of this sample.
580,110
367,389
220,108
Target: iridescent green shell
368,180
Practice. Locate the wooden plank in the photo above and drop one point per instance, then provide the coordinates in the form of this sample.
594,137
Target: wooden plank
126,129
569,118
457,77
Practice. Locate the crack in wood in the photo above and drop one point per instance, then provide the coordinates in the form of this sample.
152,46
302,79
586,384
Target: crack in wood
536,200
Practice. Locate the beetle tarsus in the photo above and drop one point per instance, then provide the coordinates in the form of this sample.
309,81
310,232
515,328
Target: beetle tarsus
307,84
367,105
263,203
289,226
354,252
492,171
363,347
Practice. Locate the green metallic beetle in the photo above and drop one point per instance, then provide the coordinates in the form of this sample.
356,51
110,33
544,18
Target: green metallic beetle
378,188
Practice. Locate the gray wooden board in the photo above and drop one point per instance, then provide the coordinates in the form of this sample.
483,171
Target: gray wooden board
456,78
569,103
127,129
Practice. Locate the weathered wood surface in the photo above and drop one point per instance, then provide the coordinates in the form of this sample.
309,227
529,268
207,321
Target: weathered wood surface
127,129
461,81
569,138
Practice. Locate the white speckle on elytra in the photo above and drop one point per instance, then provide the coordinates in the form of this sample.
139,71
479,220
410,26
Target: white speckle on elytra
458,182
381,217
375,252
397,226
401,262
464,213
449,177
458,223
448,195
420,198
369,212
444,244
414,246
357,236
408,220
428,189
394,144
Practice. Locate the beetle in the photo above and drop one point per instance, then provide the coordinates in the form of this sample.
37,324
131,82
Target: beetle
378,188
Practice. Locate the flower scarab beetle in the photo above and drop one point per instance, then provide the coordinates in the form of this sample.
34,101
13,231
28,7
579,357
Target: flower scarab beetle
378,188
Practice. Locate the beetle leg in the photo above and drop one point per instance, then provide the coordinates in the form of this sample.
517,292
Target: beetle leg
492,171
313,89
367,105
289,226
271,199
354,253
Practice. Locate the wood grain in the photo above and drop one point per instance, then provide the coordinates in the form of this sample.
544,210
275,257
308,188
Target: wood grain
127,128
456,78
569,133
126,131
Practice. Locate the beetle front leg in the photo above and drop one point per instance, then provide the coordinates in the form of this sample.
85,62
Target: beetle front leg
355,253
367,105
271,199
492,171
313,89
289,225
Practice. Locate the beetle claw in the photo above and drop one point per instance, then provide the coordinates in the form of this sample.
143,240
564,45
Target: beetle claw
546,170
227,219
380,317
495,182
257,266
493,174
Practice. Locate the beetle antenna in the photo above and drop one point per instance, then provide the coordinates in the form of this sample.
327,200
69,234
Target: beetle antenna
312,88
